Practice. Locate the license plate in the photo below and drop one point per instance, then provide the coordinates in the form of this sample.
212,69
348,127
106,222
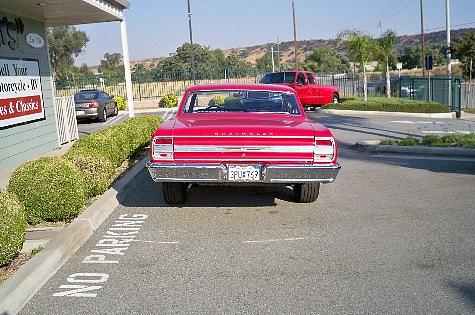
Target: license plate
244,173
80,112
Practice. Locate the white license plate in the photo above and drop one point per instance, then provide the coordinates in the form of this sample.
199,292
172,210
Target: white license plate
244,173
80,112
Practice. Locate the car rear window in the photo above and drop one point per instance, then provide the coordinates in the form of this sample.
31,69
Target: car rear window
241,101
86,96
278,77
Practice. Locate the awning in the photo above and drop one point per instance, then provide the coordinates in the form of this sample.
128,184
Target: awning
67,12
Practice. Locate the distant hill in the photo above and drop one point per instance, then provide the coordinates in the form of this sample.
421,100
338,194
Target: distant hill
305,47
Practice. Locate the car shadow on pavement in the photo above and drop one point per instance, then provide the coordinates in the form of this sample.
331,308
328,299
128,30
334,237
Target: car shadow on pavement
438,164
147,193
466,290
358,125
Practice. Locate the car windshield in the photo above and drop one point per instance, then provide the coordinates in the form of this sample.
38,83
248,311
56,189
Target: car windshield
86,96
278,77
241,101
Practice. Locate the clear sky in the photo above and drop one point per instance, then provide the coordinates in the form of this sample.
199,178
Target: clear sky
157,27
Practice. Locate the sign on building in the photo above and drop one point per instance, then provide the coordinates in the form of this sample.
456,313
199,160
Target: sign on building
21,99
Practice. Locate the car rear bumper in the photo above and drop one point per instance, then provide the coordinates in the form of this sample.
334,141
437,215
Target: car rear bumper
86,113
218,173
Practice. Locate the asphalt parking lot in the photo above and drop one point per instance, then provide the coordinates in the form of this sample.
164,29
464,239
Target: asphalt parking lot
393,234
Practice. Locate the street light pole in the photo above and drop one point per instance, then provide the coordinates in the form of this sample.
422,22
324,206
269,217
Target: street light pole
295,36
449,56
192,54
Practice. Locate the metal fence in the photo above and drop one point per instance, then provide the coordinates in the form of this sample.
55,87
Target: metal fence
468,95
155,85
147,87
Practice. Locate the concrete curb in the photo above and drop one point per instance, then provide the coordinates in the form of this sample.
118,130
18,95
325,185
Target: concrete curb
24,283
374,147
345,112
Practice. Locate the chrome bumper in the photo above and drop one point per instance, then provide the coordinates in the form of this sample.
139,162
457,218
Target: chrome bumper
218,173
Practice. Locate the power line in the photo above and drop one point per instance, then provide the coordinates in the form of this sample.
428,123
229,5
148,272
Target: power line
443,27
384,12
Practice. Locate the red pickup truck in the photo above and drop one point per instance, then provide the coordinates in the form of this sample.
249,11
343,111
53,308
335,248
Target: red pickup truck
305,83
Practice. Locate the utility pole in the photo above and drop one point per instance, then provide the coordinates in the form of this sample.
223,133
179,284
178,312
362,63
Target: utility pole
192,53
447,24
295,37
272,56
278,52
423,53
449,56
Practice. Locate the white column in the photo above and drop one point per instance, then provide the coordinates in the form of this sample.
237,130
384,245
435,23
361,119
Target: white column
128,74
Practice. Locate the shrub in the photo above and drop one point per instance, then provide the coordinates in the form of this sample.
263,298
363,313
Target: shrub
121,102
218,99
169,100
393,104
409,141
387,142
12,227
118,142
51,189
429,139
96,169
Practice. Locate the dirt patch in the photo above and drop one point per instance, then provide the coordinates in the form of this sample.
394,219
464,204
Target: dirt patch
10,269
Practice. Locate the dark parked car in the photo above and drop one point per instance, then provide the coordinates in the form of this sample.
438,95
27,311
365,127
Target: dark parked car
94,104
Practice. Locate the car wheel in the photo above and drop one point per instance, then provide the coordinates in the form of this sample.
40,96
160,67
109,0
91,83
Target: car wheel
305,193
336,99
174,193
116,110
104,115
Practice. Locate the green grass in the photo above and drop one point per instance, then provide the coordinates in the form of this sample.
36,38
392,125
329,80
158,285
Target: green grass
35,251
453,140
393,104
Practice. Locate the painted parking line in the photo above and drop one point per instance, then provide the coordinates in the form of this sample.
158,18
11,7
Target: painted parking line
169,114
276,240
116,118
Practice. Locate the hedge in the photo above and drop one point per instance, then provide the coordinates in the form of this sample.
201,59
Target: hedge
393,104
50,188
97,170
12,227
118,142
55,189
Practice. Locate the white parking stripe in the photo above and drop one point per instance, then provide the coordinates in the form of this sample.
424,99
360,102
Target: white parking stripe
155,242
276,240
112,120
401,121
437,131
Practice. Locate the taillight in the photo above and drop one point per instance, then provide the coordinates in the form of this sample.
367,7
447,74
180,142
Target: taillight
324,149
162,148
93,105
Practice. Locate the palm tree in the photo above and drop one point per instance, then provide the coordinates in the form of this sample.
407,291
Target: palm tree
385,53
362,47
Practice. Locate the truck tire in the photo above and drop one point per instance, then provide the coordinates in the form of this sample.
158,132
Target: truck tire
174,193
336,99
305,193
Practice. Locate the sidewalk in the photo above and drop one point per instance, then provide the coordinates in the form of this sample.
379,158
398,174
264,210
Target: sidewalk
468,116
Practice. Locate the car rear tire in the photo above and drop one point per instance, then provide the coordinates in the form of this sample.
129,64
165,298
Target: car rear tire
116,111
336,99
305,193
104,115
174,193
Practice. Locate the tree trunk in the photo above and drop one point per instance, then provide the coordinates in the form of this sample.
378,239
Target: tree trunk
388,82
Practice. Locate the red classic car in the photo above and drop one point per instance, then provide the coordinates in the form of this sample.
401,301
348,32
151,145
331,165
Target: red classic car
242,134
305,83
